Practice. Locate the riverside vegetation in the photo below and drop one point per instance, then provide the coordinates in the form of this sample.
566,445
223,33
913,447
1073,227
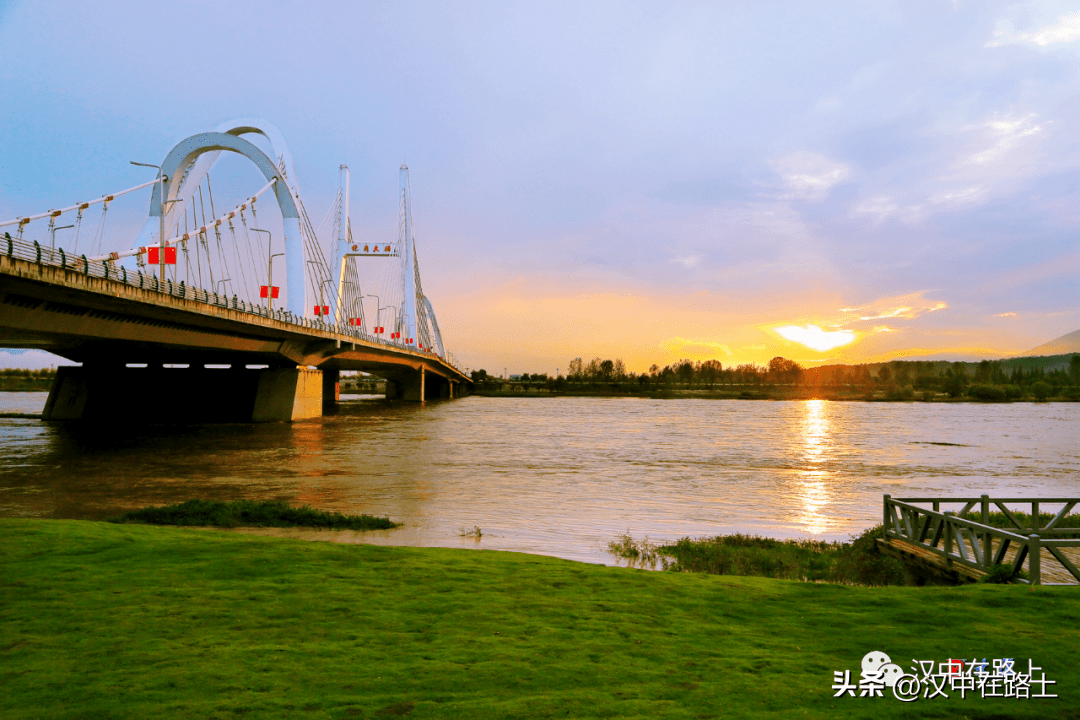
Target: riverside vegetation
122,621
25,380
251,513
1031,378
858,562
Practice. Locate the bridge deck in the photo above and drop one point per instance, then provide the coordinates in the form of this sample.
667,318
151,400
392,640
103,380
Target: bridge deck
86,312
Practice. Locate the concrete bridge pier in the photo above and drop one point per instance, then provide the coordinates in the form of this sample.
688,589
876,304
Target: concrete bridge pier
195,394
331,389
418,385
409,385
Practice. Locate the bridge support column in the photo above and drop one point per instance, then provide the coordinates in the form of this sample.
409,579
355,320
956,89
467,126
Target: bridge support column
331,389
288,394
67,398
184,395
411,386
414,391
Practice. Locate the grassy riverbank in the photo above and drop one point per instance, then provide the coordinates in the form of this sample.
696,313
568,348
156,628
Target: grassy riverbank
99,620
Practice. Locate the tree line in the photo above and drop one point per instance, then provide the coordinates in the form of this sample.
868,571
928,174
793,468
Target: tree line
1038,377
46,373
599,372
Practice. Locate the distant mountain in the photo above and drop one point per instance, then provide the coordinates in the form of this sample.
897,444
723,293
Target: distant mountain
1065,344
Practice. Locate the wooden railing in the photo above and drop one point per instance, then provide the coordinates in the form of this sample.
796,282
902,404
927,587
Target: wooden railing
957,537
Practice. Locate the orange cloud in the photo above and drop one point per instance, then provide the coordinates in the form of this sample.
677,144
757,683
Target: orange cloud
815,338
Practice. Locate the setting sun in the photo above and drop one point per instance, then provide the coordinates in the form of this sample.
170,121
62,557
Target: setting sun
815,338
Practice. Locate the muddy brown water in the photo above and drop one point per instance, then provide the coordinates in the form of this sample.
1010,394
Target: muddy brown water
555,476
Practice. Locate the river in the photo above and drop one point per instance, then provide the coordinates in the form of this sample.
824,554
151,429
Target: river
555,476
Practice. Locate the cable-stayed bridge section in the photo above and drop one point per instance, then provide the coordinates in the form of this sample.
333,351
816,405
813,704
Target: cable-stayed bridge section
183,324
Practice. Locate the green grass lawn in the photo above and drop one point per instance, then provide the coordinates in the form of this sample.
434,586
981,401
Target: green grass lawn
125,621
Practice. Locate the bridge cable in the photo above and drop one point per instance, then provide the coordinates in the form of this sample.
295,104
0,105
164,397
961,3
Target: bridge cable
78,227
101,227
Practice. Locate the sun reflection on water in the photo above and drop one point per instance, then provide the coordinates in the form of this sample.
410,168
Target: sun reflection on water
813,491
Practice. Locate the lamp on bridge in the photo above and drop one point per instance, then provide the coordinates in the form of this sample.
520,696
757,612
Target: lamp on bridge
268,291
164,250
52,233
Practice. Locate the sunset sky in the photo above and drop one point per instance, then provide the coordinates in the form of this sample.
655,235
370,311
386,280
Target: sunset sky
827,181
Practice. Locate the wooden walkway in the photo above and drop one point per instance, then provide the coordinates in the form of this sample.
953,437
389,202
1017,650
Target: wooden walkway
1053,572
1044,542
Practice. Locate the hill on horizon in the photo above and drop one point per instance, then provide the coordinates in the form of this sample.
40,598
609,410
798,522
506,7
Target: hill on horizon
1065,344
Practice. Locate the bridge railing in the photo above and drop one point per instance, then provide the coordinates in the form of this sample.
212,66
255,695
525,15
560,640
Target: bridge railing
34,252
956,537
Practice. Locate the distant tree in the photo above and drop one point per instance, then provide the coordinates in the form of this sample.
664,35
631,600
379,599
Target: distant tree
1074,369
1040,390
607,371
575,370
619,369
901,372
782,370
748,373
883,374
685,370
955,382
709,371
479,376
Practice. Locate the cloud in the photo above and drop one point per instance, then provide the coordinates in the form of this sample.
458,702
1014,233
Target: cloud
1065,30
815,338
1007,314
810,176
879,207
689,261
695,348
904,307
1008,134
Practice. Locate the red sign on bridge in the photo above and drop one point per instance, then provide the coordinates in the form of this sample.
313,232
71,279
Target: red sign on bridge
153,255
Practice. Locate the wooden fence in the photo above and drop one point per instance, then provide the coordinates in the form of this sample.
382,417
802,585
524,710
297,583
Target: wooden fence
965,537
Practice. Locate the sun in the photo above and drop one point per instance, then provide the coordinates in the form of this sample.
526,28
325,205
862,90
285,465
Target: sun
815,338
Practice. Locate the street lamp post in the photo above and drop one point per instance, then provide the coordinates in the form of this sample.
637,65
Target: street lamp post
164,205
52,240
330,292
393,327
270,281
270,266
377,301
222,284
341,305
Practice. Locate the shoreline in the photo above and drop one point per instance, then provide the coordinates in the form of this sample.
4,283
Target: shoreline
772,394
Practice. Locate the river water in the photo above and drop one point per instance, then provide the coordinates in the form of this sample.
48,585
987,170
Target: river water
555,476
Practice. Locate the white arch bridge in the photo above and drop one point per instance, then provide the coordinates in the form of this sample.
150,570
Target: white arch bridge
190,314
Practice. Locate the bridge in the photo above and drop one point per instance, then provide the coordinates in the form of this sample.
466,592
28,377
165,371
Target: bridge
182,325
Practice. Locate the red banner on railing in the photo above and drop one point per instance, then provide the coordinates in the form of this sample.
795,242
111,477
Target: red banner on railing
273,291
153,255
